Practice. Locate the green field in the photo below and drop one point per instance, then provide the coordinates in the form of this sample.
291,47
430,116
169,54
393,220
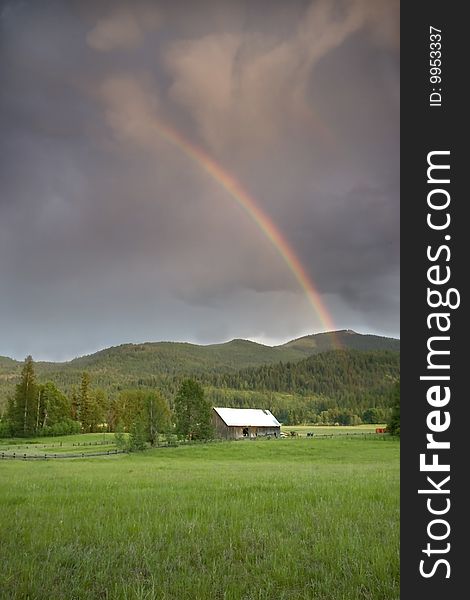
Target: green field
280,519
65,444
102,442
324,430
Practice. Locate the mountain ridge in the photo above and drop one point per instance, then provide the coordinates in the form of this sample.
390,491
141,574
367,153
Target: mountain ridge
307,341
158,364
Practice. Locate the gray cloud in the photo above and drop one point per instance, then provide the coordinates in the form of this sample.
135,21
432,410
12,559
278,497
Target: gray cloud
110,232
125,27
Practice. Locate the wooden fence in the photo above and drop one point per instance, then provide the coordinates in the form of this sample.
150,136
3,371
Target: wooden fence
46,456
173,444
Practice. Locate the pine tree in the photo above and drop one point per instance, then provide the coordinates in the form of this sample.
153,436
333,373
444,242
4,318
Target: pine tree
10,416
23,411
85,402
100,403
394,423
75,404
93,409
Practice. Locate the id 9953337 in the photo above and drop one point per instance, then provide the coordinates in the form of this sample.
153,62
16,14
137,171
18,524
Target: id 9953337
435,66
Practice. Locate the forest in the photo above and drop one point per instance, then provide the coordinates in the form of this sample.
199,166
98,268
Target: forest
345,387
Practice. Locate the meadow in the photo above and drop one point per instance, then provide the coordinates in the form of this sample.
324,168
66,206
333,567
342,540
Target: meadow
64,444
285,519
328,430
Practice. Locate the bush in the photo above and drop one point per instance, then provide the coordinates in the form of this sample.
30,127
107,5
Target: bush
119,437
5,429
137,437
394,423
66,427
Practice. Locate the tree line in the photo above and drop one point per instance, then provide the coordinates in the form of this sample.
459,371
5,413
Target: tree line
346,387
38,409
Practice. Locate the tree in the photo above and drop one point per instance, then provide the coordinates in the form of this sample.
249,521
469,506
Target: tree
137,436
119,436
193,412
75,404
97,409
23,409
53,406
143,413
394,423
157,416
376,415
85,402
111,414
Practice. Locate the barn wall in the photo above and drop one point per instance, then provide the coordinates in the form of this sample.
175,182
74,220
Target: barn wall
235,433
269,431
221,429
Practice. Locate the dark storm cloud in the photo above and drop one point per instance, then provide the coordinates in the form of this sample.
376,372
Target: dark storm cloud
109,233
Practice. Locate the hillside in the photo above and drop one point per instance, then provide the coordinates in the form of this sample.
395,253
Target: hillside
159,363
342,386
346,339
347,378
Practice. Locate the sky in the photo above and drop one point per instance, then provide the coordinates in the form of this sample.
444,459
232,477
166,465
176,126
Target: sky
112,227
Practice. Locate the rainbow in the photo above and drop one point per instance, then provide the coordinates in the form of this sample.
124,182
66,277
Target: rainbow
263,221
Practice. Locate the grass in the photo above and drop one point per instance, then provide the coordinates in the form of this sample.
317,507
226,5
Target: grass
67,444
102,442
57,440
284,519
330,429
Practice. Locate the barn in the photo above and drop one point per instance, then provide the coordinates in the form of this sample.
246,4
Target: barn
238,423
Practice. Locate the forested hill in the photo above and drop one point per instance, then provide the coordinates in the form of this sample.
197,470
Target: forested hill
349,377
157,364
346,339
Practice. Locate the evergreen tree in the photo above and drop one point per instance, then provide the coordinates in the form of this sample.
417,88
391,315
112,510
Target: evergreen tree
193,412
85,403
75,404
6,428
102,407
23,410
96,410
394,423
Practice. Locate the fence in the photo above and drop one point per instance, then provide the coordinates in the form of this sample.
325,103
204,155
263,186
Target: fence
172,444
51,455
59,445
46,456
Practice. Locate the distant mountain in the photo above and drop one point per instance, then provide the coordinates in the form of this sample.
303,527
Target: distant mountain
346,339
159,363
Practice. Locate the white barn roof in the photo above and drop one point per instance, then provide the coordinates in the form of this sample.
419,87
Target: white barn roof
247,417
